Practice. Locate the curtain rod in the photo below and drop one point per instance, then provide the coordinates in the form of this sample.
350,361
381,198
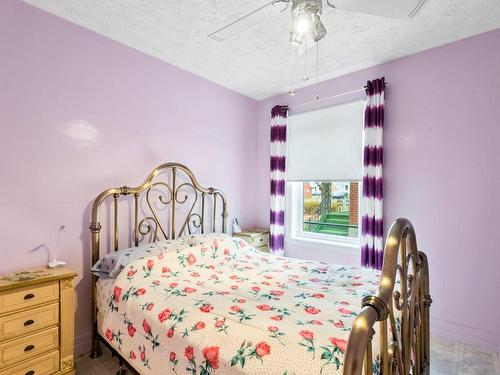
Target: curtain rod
317,100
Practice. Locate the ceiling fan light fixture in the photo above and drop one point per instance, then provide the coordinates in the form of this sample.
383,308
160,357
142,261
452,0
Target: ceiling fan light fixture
306,21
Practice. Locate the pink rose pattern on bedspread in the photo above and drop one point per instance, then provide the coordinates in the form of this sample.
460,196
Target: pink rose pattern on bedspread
227,308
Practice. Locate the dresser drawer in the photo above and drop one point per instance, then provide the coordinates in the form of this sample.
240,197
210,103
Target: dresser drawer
19,350
18,324
43,365
28,296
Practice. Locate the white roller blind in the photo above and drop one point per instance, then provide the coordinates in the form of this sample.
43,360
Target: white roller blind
326,144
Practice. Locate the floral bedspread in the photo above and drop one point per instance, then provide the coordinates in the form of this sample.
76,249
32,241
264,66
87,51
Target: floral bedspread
226,308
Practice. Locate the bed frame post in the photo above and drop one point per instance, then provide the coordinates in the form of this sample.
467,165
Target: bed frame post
95,228
404,286
427,301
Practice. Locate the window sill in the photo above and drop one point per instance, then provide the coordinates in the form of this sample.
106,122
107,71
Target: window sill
348,245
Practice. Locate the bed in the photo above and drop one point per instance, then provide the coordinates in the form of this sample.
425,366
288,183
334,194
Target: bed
193,300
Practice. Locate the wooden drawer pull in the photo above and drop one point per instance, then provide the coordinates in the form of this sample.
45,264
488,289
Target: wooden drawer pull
31,372
29,347
28,322
29,296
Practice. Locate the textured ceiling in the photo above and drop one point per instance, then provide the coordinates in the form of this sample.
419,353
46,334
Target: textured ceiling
259,62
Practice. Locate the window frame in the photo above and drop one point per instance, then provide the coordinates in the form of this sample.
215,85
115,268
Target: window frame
295,219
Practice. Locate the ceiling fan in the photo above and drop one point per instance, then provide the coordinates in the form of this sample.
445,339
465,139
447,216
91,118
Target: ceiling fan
306,15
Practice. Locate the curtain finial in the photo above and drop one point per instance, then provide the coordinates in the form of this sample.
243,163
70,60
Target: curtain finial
279,110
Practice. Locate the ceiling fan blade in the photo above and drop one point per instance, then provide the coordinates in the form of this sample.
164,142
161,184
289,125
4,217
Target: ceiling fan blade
383,8
249,21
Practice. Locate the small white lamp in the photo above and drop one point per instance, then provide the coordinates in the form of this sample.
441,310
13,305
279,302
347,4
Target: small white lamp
57,263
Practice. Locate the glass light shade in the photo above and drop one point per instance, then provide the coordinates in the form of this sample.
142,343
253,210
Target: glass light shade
296,38
318,30
303,24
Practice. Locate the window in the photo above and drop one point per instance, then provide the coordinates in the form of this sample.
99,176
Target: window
324,174
325,211
331,208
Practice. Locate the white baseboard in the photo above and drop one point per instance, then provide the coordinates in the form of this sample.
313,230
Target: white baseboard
83,344
467,335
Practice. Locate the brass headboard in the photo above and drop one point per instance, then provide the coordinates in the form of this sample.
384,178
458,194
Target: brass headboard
170,198
156,207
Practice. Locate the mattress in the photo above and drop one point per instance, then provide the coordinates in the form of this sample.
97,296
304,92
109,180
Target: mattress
226,308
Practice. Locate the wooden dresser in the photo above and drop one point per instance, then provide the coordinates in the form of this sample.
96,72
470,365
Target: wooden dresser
37,322
256,237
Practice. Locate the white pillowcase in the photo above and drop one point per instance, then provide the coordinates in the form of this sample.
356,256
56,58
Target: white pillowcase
113,263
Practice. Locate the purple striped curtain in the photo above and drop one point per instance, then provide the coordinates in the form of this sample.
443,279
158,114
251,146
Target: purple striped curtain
372,225
279,116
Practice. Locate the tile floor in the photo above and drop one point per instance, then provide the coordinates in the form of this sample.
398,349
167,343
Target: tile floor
447,358
455,358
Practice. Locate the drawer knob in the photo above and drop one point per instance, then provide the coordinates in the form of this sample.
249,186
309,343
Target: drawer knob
29,296
31,372
29,348
28,322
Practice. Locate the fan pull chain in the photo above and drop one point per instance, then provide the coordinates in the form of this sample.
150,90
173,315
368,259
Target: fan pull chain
317,62
306,78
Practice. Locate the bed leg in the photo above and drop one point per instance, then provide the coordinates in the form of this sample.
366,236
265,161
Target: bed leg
121,370
96,345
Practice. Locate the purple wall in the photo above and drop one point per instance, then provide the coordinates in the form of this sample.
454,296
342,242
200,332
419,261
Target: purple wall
442,171
80,113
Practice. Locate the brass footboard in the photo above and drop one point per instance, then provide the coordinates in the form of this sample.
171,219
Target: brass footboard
404,337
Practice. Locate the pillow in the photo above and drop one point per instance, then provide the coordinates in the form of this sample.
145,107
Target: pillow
113,263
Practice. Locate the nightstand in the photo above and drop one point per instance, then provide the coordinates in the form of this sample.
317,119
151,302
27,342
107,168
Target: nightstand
256,237
37,322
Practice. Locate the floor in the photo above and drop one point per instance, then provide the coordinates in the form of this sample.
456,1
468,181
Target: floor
447,358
